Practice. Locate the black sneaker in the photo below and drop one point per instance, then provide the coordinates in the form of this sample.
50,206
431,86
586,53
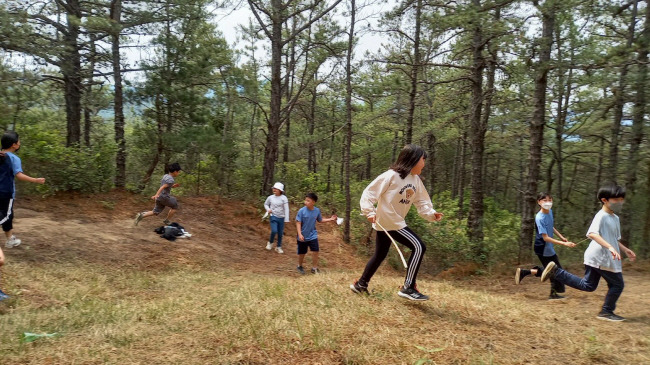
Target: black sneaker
549,271
301,270
412,294
556,296
520,274
314,270
610,317
359,288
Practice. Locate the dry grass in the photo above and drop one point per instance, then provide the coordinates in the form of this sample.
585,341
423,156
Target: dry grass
120,316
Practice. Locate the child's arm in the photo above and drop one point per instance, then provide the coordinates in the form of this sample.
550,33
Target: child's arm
601,241
22,177
424,205
163,186
330,219
629,253
286,211
371,194
557,242
299,230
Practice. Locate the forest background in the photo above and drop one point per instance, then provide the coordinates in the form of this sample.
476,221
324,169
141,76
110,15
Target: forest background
509,97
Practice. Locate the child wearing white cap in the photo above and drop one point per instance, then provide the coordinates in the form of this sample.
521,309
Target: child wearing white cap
277,205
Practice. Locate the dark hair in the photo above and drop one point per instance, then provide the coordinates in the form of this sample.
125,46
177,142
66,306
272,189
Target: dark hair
407,159
8,139
543,195
172,167
611,191
312,196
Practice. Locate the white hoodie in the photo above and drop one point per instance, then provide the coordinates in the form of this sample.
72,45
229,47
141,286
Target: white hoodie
394,196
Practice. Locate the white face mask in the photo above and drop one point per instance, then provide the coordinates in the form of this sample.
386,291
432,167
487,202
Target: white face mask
547,206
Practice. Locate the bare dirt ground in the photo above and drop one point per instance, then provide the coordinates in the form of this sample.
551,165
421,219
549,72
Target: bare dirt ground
99,229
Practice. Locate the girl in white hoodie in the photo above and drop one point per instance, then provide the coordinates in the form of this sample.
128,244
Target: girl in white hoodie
394,192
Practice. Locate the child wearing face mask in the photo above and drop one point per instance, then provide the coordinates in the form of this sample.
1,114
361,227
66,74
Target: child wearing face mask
603,256
544,241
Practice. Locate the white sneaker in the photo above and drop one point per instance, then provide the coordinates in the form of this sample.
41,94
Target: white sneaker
13,242
279,250
269,246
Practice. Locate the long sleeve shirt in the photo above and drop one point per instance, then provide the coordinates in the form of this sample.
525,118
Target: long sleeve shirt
394,197
279,206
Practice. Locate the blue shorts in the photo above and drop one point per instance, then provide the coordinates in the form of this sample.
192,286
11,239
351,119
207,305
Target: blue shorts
302,246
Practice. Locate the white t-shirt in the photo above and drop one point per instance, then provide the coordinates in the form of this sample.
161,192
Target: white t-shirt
394,197
279,206
607,226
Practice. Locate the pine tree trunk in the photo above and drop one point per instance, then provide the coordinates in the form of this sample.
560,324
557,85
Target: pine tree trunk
118,104
71,71
638,118
536,129
348,120
408,135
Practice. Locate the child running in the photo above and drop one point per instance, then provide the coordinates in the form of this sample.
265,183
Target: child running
307,235
544,242
394,192
10,169
277,205
603,256
163,196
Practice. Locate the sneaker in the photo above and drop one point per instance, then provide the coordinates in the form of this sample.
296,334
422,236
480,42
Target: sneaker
610,317
359,288
3,296
301,270
549,271
412,294
269,246
279,250
138,218
314,270
167,222
556,296
13,242
520,274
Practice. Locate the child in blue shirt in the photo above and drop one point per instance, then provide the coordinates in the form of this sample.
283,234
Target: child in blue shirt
10,169
544,242
307,235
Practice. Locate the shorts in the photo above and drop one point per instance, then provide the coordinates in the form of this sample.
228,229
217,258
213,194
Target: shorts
302,246
164,201
6,213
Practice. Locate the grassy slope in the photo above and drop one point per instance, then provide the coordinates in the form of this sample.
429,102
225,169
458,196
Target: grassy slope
126,297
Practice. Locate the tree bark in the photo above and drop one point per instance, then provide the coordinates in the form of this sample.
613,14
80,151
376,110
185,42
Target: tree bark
638,118
536,128
348,120
71,71
408,135
619,99
118,104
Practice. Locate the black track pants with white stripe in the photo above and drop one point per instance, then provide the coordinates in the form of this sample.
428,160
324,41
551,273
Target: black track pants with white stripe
382,244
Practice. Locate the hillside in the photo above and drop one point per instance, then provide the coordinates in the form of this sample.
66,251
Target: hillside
115,293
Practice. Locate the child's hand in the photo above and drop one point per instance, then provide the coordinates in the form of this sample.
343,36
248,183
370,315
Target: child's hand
269,211
372,219
569,244
438,216
630,255
40,180
333,217
301,238
154,197
2,258
615,254
176,185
